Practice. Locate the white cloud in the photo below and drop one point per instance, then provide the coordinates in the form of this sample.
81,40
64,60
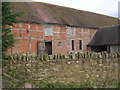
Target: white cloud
107,7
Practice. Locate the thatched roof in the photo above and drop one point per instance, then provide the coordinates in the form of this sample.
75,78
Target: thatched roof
106,36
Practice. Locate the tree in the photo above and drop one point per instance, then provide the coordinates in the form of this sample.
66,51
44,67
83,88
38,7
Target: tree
8,18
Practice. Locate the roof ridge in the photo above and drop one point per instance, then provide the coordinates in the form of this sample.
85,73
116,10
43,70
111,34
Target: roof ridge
76,9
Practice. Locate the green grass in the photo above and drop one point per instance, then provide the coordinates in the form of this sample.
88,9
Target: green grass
20,77
73,85
47,84
61,85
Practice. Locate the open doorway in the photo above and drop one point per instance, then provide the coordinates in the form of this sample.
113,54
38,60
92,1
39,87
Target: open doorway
98,48
45,47
48,47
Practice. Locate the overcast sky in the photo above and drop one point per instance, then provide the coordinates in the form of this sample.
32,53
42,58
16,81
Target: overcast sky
107,7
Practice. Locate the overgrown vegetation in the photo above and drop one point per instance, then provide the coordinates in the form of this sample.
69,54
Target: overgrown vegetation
16,73
8,19
45,83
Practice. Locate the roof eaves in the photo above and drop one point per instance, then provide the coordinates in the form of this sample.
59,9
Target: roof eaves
59,24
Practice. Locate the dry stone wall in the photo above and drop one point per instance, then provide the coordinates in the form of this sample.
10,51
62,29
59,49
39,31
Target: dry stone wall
96,68
77,55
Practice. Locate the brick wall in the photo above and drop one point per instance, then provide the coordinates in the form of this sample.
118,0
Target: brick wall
27,35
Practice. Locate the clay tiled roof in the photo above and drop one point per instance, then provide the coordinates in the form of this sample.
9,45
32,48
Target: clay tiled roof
46,13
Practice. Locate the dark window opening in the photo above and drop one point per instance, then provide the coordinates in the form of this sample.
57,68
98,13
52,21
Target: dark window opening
73,46
108,49
80,44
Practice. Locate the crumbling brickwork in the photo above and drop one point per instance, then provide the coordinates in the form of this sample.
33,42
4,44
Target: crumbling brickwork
28,35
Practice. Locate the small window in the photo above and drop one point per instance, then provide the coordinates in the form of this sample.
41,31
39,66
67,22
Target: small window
48,30
80,44
60,43
70,31
73,45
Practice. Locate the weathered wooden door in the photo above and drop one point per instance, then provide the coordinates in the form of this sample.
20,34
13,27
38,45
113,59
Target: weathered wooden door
41,47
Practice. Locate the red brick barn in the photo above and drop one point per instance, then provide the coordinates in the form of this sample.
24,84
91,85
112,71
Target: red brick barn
46,28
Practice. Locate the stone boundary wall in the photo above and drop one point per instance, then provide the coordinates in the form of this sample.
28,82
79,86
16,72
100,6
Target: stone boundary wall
78,55
98,69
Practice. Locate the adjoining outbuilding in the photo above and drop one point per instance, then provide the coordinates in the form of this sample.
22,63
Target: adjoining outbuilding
106,39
